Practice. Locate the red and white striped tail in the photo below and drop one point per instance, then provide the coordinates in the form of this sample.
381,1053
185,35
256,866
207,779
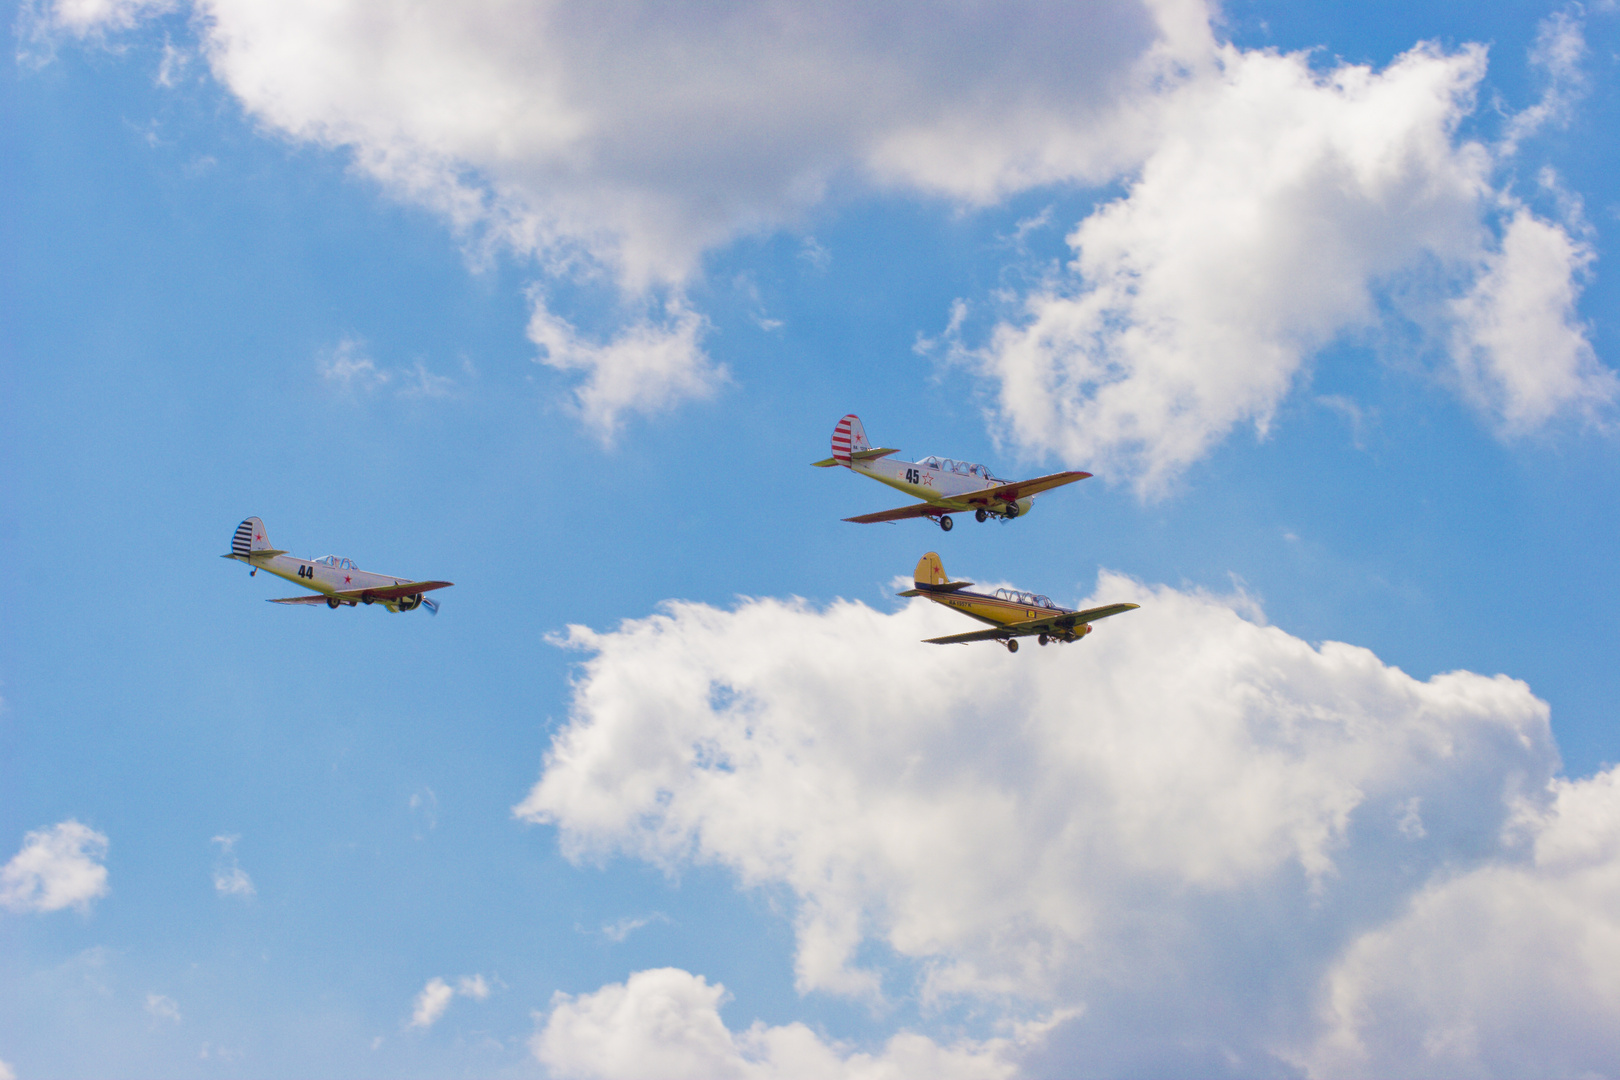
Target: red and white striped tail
848,436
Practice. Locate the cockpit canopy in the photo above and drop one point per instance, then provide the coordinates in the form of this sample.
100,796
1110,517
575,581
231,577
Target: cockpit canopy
336,562
1028,599
961,468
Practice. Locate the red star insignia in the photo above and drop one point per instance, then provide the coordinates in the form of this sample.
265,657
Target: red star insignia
258,536
346,579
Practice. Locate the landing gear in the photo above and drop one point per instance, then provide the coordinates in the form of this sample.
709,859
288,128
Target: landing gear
1012,645
333,602
1011,511
1043,639
368,599
946,523
981,515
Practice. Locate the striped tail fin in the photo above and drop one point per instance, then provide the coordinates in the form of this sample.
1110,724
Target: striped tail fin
848,437
250,537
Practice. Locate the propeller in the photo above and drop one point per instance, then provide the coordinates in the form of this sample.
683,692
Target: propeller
431,605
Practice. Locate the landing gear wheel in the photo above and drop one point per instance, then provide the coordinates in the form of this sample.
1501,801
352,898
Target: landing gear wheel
368,600
333,602
946,523
1011,511
1043,639
981,515
1012,646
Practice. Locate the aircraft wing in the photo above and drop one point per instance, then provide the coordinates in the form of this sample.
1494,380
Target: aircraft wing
901,513
1018,489
393,592
1049,624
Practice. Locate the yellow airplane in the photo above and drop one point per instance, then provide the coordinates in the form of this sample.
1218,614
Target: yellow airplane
1014,614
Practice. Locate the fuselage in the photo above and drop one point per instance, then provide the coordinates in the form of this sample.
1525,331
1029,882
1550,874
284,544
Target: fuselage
327,575
1005,607
935,480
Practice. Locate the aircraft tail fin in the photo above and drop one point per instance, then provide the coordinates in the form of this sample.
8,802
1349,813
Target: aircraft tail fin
251,539
849,437
930,571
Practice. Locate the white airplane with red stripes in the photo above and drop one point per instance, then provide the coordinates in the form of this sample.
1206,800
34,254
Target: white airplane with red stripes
337,581
946,485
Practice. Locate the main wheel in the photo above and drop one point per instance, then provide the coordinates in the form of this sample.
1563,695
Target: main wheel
1012,646
981,515
333,602
368,600
946,523
1043,639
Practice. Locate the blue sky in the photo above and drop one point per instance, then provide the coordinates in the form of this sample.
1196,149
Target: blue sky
1373,404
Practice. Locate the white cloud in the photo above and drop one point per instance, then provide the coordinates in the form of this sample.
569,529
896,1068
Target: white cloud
1512,969
1520,351
349,368
435,998
163,1007
7,1072
620,929
1276,207
431,1003
57,867
1269,205
666,1023
1190,806
229,877
646,366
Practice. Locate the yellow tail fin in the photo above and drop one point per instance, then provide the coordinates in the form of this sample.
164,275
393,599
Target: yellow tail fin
929,571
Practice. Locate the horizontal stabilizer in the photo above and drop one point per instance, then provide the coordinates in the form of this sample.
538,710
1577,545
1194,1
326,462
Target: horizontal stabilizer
826,463
874,453
313,598
263,553
923,589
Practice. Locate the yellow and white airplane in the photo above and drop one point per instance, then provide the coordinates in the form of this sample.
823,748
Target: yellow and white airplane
1013,614
336,580
948,486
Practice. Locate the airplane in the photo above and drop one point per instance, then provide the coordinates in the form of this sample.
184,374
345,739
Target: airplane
1014,614
336,580
949,486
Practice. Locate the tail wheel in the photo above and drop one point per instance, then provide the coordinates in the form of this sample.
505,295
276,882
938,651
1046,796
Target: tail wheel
1012,645
333,602
981,515
946,523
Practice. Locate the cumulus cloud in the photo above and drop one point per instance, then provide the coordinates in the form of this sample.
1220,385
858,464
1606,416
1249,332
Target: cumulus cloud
57,867
644,368
431,1003
1511,969
1278,206
1190,807
1520,350
435,998
1270,204
666,1023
